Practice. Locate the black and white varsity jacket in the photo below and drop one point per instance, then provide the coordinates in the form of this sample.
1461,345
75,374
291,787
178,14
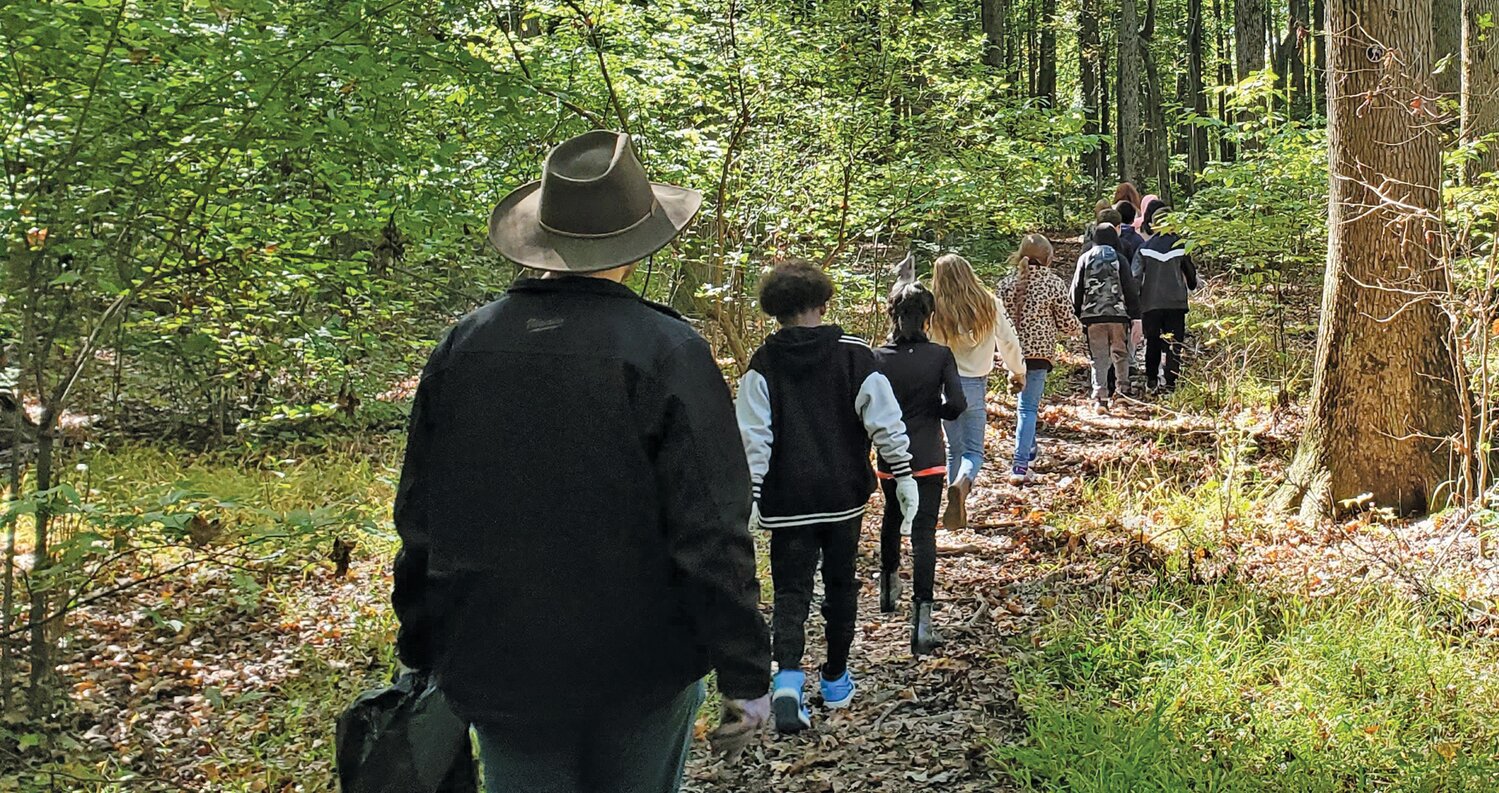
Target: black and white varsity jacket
808,408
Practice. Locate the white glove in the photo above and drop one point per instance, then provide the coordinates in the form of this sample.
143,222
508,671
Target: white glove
755,515
909,498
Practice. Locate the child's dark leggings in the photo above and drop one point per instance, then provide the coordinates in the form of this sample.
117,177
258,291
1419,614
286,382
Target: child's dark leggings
1165,329
923,534
794,551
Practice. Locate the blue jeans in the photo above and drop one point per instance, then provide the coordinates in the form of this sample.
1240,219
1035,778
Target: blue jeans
965,437
615,752
1027,405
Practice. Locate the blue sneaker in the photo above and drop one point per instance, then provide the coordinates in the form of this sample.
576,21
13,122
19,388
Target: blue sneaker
786,701
838,693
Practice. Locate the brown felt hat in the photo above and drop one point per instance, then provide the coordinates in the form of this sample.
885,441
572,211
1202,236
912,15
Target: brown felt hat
593,209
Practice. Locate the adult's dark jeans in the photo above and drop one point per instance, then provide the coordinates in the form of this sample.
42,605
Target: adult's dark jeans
794,551
1165,329
616,752
923,534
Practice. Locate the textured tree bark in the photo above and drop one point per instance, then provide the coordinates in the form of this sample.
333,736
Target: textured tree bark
1088,48
994,13
1249,36
1480,94
1447,19
1046,82
1385,398
1225,77
1298,32
1319,54
1197,152
1155,136
1105,98
1131,154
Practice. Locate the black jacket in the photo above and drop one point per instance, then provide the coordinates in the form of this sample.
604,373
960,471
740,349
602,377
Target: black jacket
809,406
924,377
573,511
1165,272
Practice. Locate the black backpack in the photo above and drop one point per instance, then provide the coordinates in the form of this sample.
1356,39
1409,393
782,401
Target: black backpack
404,738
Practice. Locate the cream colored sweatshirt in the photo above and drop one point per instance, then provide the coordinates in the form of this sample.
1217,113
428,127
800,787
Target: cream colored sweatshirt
977,360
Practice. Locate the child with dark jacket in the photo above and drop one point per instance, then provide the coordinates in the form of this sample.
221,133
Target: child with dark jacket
808,408
1166,274
924,377
1106,297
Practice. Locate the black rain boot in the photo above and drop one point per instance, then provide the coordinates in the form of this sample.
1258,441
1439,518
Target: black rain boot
889,592
924,638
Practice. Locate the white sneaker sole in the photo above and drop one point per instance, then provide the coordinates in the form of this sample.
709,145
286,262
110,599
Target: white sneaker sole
842,703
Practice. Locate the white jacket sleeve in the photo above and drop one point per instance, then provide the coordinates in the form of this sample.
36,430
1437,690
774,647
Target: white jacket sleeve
1008,342
883,420
752,408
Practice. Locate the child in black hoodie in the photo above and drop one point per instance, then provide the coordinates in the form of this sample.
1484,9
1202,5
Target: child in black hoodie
924,377
808,408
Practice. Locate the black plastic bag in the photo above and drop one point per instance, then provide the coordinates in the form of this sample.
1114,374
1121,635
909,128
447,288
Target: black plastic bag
404,738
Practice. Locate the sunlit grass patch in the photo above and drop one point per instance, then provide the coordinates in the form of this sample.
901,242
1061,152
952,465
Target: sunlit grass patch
1225,689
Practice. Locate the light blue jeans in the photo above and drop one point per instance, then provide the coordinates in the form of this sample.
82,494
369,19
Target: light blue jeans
1028,404
965,436
620,752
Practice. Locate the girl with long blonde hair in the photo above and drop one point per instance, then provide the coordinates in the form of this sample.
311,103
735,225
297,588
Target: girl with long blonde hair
1037,303
970,321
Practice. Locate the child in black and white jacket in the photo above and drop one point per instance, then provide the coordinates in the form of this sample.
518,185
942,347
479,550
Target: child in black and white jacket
809,407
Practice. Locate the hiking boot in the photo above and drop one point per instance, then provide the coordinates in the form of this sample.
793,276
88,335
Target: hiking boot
924,638
838,693
956,515
889,591
786,704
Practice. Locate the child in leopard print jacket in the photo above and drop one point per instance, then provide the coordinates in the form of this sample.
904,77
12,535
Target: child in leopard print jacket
1040,308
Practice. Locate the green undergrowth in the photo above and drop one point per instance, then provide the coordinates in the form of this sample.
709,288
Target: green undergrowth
1222,688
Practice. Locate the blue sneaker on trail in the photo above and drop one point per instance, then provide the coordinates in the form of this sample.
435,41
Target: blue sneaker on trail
838,693
786,701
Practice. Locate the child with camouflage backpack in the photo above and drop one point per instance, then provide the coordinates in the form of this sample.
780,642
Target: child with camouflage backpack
1105,296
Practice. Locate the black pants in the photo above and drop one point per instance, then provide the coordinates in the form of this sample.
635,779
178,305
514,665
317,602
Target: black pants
923,534
794,552
1164,331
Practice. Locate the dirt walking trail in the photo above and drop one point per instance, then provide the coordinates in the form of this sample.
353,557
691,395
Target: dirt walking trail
928,724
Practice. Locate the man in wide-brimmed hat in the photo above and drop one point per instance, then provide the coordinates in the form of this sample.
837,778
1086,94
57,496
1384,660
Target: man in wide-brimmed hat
575,501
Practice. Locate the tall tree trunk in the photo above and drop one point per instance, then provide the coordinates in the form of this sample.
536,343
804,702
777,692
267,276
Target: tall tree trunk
40,684
8,596
1197,151
1032,63
1249,36
1105,109
1447,16
1480,95
1088,49
1225,77
1046,83
1153,140
1130,153
994,13
1298,32
1249,47
1319,55
1384,391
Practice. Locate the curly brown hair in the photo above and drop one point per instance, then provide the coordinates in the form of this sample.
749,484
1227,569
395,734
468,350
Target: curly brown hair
793,288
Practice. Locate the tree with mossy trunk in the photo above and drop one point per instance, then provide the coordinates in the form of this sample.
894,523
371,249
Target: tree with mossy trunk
1385,397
